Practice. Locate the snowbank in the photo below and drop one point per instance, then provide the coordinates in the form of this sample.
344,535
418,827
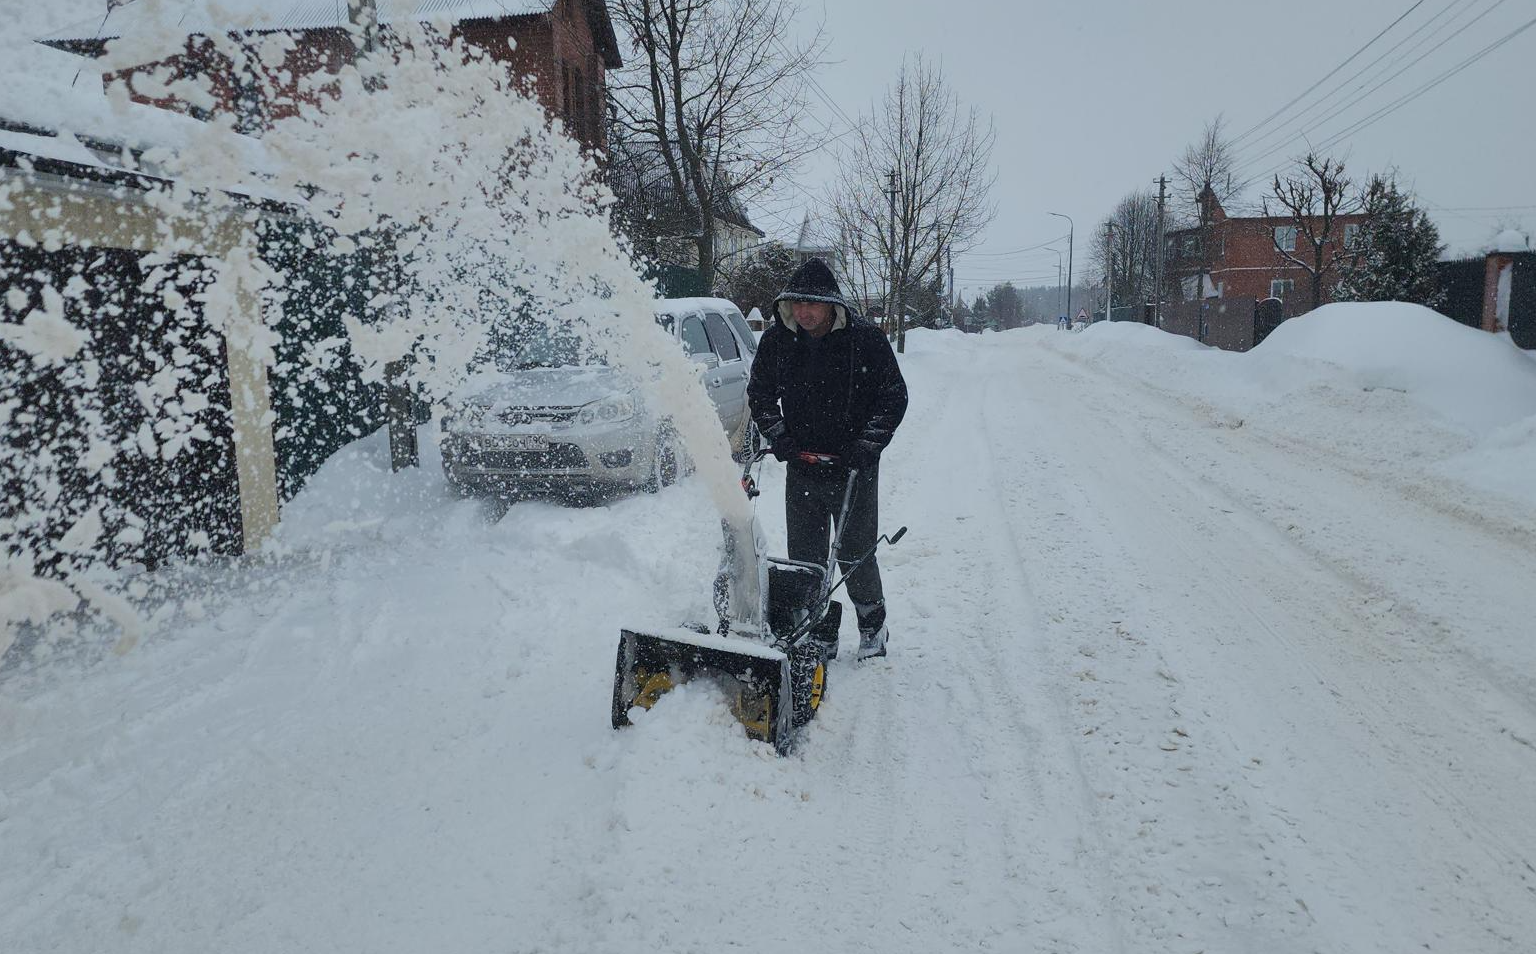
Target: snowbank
1460,373
921,340
1392,388
1107,335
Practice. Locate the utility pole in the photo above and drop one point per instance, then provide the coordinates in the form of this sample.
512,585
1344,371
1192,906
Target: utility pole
1162,204
1109,272
1061,300
954,301
890,264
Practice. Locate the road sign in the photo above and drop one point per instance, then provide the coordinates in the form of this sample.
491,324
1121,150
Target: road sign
1082,314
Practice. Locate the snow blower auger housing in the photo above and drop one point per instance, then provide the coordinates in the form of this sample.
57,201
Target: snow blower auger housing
774,672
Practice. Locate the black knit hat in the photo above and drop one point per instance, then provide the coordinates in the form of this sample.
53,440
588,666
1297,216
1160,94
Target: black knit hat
812,281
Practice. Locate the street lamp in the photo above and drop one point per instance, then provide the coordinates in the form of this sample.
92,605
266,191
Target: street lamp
1071,245
1059,295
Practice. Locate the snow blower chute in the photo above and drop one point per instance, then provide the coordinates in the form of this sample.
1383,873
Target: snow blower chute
770,658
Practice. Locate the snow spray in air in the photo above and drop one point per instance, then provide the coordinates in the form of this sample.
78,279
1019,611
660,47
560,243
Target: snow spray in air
416,195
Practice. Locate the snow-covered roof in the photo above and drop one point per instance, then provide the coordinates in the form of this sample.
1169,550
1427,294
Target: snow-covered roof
114,142
62,147
679,306
1511,240
211,16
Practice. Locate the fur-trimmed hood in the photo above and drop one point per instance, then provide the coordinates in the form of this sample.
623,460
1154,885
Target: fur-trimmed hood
812,281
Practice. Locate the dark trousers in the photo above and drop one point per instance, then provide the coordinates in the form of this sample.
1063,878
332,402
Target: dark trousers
812,498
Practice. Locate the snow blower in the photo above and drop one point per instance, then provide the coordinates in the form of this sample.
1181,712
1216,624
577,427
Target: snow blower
771,658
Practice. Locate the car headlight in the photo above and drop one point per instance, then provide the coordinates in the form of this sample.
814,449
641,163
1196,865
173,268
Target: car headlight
610,410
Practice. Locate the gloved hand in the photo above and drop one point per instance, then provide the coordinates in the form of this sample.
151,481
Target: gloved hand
861,455
784,448
780,443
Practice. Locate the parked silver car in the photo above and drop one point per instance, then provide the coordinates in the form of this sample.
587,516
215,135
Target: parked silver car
547,423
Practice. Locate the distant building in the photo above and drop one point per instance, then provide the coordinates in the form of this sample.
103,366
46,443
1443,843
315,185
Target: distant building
736,238
1244,260
664,231
563,48
808,247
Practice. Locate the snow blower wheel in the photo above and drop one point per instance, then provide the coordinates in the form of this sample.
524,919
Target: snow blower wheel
808,678
771,664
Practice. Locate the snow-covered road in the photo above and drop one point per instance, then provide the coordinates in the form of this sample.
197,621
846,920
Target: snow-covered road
1162,679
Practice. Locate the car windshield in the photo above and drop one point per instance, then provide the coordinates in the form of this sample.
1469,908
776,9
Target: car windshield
536,347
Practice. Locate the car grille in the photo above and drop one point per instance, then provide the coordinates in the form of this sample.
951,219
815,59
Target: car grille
515,416
558,457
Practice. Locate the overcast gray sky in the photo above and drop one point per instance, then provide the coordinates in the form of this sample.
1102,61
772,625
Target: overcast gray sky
1094,98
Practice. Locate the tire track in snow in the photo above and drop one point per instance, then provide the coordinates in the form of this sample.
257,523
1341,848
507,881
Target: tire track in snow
1401,701
1247,555
1015,741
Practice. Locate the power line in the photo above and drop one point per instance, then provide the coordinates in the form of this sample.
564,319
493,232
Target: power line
1245,133
1409,97
1479,208
1368,93
999,279
1321,102
1404,100
1029,248
1271,145
826,98
1034,260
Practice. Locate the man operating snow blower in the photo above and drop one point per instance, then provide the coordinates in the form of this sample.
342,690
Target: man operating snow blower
825,384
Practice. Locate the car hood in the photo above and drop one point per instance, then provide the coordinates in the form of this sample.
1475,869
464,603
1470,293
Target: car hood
547,387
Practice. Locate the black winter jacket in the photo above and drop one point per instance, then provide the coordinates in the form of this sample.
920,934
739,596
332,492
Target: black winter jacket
829,392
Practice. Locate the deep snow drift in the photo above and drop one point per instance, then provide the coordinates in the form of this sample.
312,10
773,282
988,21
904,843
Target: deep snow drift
1404,388
1191,651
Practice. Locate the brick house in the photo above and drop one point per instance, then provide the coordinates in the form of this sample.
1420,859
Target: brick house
1244,258
562,49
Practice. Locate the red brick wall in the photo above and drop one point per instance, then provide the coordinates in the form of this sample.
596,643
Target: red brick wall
1245,259
553,56
313,51
557,57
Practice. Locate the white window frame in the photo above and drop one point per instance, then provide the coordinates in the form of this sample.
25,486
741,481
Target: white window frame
1286,286
1294,232
1351,235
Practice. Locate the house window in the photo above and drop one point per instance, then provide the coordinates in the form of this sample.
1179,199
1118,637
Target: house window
1351,235
1281,288
1285,238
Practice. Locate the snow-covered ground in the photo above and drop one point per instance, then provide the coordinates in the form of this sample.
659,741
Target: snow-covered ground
1192,651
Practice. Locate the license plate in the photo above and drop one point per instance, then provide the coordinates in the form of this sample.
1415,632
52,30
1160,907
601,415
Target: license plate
515,442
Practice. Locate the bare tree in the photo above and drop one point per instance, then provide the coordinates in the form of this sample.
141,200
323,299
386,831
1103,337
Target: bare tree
1124,248
1314,198
712,95
917,182
1207,177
